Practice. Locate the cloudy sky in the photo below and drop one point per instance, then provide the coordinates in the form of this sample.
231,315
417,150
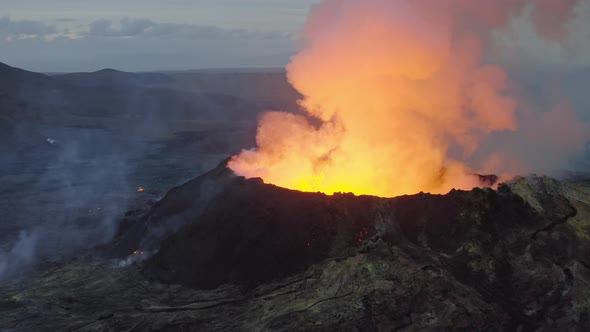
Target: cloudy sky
84,35
138,35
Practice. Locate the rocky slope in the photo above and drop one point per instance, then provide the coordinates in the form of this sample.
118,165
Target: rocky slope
224,253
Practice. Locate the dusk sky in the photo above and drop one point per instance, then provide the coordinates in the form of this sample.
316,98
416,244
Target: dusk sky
84,35
141,35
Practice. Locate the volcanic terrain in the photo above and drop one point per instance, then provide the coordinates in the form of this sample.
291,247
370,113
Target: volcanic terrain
225,253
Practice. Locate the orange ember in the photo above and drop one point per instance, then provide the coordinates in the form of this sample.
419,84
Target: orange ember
393,86
140,189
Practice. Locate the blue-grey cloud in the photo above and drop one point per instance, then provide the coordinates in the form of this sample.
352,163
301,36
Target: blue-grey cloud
9,27
65,19
144,44
136,27
128,27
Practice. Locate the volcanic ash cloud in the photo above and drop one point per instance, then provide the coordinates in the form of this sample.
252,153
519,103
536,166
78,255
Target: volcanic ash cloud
389,88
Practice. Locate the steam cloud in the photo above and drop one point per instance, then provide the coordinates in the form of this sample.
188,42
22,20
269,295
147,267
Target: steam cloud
67,225
399,96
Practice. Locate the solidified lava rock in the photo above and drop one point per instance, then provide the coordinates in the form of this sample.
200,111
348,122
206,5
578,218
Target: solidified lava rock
511,249
249,232
239,255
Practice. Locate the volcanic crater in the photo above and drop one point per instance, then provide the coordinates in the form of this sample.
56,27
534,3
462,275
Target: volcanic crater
511,258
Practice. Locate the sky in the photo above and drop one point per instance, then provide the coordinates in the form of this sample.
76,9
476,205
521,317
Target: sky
138,35
145,35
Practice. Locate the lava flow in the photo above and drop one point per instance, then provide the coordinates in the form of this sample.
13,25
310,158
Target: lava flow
397,96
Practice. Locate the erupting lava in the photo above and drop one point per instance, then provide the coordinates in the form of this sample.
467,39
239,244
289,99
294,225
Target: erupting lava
397,94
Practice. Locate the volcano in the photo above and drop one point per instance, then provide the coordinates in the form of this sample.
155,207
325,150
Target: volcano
356,201
227,253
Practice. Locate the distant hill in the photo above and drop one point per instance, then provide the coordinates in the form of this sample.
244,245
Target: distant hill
16,75
114,77
18,86
114,100
107,93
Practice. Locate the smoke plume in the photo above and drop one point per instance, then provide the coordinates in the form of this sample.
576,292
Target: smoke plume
398,96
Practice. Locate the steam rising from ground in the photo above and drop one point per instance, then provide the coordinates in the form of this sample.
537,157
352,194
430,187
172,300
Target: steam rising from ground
398,95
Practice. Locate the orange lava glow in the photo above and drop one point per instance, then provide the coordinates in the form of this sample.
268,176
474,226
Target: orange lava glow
389,88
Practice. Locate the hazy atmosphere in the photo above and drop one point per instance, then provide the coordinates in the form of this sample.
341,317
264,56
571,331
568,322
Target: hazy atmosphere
66,35
143,35
278,165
